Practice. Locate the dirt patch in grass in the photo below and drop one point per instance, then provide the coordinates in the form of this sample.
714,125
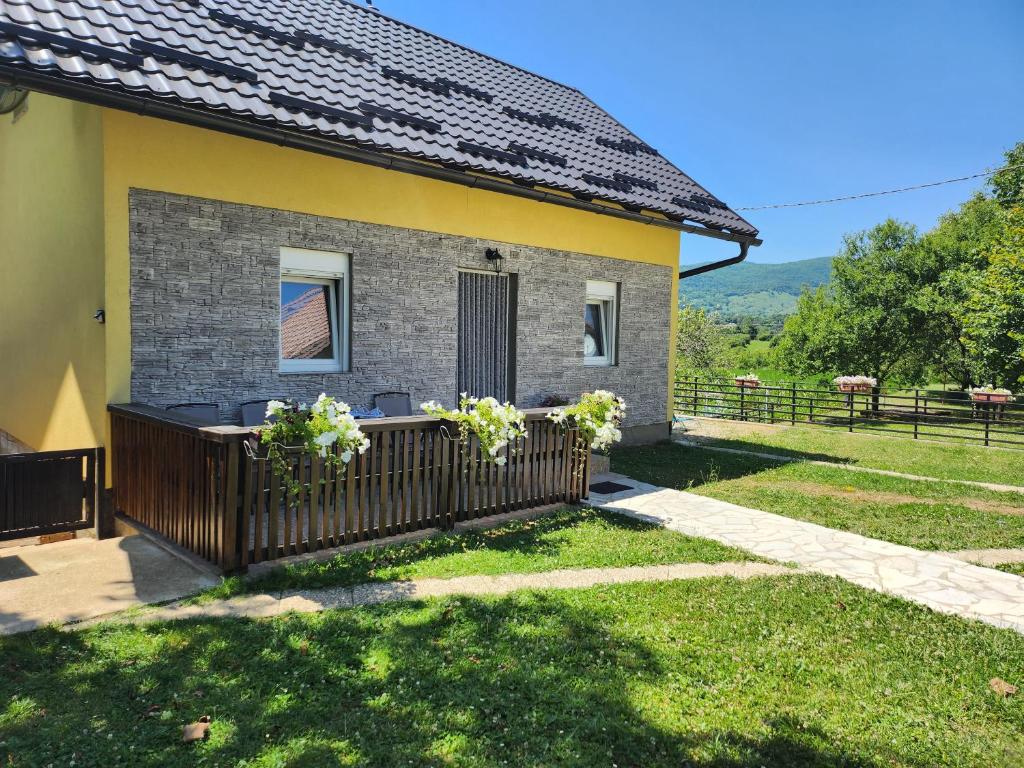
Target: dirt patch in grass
695,429
885,497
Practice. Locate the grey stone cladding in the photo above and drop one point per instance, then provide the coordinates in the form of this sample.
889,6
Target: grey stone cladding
205,310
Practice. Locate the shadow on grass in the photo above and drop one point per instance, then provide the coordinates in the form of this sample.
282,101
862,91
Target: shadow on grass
671,465
536,537
755,447
531,681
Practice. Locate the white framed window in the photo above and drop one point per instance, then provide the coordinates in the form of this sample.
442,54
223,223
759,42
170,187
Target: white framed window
600,320
314,327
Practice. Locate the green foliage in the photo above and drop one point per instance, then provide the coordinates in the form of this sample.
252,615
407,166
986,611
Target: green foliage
326,428
1008,185
955,253
701,345
901,307
496,425
762,292
994,321
597,415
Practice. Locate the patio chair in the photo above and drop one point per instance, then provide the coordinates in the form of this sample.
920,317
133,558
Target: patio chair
205,412
254,412
393,403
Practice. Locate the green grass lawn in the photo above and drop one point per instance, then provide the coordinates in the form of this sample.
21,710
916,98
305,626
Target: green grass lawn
926,515
781,672
941,460
1014,568
569,538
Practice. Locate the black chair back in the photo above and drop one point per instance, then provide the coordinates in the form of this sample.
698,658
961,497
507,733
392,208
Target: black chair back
254,412
207,412
393,403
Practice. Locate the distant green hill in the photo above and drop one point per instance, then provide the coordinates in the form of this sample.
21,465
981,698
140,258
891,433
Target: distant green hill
755,290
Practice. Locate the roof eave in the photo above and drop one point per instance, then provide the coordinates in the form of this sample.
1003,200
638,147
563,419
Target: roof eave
105,97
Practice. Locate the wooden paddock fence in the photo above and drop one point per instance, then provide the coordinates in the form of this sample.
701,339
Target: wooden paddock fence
202,488
944,416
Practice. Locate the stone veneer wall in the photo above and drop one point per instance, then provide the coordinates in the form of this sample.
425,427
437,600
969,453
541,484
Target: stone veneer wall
205,310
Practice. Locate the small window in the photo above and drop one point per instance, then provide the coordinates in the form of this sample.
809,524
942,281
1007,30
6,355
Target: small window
599,323
314,311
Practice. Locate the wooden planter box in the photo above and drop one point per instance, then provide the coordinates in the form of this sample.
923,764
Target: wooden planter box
747,383
989,397
854,388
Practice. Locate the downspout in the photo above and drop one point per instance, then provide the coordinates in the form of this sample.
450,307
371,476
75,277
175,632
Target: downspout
744,247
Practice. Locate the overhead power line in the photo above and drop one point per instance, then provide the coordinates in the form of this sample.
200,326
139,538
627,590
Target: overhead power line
879,194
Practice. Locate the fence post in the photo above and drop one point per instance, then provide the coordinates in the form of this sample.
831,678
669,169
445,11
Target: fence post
230,509
810,410
743,396
792,403
917,395
988,420
850,396
695,396
100,509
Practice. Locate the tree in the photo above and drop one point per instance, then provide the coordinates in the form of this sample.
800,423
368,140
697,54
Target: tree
1008,185
994,317
808,345
701,346
866,322
954,254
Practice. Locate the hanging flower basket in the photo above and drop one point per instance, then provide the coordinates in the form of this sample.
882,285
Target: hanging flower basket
595,417
497,426
991,395
855,383
750,381
851,384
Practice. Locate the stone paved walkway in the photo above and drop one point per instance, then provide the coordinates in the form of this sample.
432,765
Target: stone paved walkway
314,600
937,580
782,459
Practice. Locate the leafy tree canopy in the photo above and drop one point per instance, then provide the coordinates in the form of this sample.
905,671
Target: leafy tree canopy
866,322
701,346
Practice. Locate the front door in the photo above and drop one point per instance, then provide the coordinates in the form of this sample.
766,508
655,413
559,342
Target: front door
487,313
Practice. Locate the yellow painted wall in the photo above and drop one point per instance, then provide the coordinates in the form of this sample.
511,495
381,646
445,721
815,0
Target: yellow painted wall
52,390
149,153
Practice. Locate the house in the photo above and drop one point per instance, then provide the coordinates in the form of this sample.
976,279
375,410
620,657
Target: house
225,201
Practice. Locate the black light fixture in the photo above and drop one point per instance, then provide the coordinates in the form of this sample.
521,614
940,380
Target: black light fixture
495,258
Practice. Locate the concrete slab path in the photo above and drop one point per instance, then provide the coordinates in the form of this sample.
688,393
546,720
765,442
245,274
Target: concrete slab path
81,578
935,579
328,598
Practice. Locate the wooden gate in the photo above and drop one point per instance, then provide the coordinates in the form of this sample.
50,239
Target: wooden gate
49,491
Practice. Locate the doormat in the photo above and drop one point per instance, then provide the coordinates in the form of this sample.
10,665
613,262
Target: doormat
607,486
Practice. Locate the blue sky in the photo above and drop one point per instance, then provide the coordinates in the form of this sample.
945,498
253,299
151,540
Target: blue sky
766,102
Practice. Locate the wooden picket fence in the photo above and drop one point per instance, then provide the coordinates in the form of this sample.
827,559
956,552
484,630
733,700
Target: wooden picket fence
206,490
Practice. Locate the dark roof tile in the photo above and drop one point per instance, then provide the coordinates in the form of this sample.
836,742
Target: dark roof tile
311,65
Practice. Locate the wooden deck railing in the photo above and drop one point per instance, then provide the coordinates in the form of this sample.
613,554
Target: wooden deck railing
201,488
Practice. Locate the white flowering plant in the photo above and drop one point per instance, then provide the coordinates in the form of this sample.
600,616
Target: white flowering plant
496,425
855,382
326,429
984,391
597,415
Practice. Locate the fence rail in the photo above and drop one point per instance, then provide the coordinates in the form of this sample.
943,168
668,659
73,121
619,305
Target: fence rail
917,413
203,489
49,491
